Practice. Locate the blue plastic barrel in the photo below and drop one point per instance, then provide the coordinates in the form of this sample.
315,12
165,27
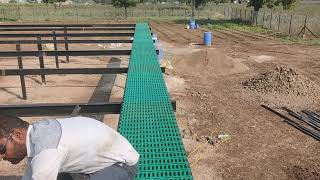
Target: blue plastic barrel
192,24
207,38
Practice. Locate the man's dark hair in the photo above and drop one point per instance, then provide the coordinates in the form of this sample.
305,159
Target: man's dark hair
7,123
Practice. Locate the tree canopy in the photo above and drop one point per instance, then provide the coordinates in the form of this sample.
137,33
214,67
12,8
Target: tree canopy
286,4
124,4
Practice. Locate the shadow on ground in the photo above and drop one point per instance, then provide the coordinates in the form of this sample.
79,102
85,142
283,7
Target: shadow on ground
103,90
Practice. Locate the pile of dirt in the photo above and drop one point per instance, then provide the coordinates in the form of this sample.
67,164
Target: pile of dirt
207,62
282,80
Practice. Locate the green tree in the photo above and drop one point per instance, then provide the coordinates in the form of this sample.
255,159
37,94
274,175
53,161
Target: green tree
272,3
54,2
289,4
102,1
124,4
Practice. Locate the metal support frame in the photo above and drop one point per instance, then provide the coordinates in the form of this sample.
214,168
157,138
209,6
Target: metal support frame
63,41
64,53
66,46
67,25
55,45
69,29
69,35
28,110
44,71
22,80
41,62
47,71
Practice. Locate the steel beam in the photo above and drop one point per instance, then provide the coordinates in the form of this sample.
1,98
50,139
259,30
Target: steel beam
28,110
62,41
69,29
65,53
69,35
47,71
66,25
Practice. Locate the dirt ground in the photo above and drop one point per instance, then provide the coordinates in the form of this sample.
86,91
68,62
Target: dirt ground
207,83
213,102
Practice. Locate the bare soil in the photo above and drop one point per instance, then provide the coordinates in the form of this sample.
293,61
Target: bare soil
226,133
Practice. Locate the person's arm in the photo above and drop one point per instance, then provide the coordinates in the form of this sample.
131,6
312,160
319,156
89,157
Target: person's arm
46,165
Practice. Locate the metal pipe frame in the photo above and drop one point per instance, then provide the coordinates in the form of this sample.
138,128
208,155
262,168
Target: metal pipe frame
69,35
66,53
47,71
66,25
69,29
29,110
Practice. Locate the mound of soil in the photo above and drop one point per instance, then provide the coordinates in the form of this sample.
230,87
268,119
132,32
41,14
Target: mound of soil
207,62
282,80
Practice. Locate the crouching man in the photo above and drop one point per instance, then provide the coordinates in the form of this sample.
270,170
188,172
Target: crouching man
76,145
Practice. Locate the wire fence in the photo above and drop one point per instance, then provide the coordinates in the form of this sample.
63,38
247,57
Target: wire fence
99,12
279,21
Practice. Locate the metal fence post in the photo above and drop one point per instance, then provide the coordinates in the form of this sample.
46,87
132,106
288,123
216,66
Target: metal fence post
34,13
271,20
22,80
77,14
245,14
263,18
4,14
90,13
20,16
279,21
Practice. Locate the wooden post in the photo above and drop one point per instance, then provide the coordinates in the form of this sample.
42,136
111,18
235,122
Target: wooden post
279,22
290,24
22,80
43,78
55,48
66,42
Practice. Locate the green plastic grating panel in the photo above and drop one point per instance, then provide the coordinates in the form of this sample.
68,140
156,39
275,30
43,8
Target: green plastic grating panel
147,118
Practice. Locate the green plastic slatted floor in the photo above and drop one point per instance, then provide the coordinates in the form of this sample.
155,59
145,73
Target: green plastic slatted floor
147,118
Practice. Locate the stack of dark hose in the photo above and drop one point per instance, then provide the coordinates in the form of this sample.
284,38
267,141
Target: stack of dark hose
307,122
